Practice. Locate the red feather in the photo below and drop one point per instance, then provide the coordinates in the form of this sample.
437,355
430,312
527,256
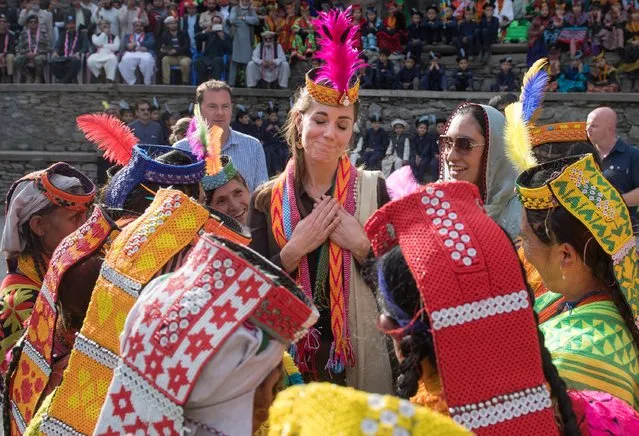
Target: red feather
111,136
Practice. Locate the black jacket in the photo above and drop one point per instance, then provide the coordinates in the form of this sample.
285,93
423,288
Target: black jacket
184,43
11,45
81,44
214,47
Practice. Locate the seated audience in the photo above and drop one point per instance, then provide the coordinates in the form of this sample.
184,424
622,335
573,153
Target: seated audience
8,47
105,57
33,48
139,53
505,80
176,50
268,64
66,61
217,45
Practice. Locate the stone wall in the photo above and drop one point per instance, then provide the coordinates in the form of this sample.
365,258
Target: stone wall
38,121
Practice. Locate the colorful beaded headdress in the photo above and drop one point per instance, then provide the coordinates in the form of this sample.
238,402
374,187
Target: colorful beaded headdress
139,162
473,292
206,144
27,382
335,83
521,132
155,243
579,186
324,408
185,320
55,195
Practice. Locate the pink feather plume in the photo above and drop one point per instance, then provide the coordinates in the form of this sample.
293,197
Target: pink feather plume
337,40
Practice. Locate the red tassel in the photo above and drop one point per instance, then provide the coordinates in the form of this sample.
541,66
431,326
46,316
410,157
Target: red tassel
110,135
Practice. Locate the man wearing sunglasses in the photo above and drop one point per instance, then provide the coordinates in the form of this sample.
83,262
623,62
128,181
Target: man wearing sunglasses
144,128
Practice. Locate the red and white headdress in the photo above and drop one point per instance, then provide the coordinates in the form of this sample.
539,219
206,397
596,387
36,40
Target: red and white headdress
474,293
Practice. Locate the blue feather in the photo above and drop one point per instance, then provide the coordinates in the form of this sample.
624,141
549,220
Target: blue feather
532,94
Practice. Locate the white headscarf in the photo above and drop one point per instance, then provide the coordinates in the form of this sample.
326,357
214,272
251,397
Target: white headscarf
26,200
501,202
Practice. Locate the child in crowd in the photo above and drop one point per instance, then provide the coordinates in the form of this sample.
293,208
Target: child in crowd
575,77
398,150
614,23
467,42
384,71
536,41
392,35
505,80
416,34
434,78
463,79
287,30
260,129
488,31
576,17
126,113
358,20
630,57
554,69
408,76
432,26
423,148
369,31
602,77
376,142
449,27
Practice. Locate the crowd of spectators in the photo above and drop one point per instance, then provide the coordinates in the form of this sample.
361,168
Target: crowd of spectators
255,43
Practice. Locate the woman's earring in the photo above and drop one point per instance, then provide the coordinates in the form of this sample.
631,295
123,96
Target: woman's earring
299,141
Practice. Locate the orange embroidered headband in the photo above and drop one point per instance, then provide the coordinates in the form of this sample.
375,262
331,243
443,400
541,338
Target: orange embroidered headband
559,132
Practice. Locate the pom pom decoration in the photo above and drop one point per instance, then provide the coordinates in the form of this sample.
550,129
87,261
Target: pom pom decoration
521,116
214,150
337,39
197,134
110,135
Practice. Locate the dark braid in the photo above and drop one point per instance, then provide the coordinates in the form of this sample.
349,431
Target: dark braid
417,344
626,313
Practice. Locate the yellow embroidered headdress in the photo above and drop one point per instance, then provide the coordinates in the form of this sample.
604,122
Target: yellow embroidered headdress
335,83
576,183
324,408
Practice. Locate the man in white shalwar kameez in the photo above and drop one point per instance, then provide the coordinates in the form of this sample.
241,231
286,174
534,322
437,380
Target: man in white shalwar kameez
268,63
107,45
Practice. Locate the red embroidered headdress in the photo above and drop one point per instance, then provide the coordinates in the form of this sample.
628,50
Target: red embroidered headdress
481,317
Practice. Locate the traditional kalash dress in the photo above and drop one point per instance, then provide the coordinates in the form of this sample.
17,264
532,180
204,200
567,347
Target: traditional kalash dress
155,243
199,342
324,408
591,344
25,198
473,291
345,346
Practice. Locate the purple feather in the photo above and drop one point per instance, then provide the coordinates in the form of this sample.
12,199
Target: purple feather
337,39
193,136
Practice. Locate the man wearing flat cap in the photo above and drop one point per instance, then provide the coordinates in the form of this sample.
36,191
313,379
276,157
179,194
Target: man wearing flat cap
268,64
66,60
176,50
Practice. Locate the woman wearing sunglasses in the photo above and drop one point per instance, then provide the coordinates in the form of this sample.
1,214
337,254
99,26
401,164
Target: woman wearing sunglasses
472,149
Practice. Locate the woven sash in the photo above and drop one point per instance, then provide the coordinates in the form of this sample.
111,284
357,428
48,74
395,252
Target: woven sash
285,216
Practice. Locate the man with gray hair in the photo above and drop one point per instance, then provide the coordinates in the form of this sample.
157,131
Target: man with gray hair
619,160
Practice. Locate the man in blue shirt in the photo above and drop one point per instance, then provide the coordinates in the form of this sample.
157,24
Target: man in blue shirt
214,99
620,161
144,128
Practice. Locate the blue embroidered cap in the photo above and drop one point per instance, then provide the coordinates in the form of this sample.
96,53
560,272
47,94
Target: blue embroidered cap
143,167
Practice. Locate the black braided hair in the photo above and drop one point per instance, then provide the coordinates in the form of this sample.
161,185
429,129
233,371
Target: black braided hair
417,344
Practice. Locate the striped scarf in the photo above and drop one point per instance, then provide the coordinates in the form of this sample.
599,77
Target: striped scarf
285,216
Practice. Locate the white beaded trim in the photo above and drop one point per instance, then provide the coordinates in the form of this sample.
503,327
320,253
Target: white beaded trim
502,408
618,256
154,399
476,310
46,293
20,422
127,284
94,351
53,426
36,358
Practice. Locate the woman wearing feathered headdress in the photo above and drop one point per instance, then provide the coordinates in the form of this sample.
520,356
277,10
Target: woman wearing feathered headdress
309,220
